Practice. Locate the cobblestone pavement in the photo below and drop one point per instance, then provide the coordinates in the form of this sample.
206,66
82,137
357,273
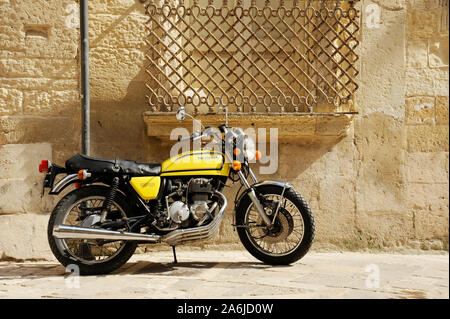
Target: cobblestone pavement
236,274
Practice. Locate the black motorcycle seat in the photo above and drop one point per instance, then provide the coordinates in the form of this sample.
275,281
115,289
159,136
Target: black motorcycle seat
111,166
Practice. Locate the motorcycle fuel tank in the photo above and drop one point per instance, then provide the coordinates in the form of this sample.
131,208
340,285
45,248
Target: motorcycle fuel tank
196,163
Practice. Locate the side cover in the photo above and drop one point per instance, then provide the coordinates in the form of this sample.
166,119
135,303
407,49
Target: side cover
146,186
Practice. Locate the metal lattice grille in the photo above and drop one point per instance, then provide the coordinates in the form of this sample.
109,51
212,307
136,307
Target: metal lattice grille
251,55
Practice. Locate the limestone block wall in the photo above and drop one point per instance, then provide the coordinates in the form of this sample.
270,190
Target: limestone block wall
39,115
426,118
384,185
39,86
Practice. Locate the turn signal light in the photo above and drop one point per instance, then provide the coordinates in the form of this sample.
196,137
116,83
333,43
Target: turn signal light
258,155
43,167
237,152
83,174
237,165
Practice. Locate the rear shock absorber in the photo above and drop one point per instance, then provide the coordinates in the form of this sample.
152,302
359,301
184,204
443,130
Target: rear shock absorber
109,199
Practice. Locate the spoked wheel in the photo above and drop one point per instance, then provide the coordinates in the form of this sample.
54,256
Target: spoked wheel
291,234
83,208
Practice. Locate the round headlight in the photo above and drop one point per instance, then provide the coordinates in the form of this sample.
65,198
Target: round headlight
249,148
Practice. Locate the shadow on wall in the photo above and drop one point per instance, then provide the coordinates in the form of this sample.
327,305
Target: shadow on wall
118,93
118,130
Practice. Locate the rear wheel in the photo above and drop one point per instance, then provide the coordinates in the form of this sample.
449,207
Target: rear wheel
82,207
293,229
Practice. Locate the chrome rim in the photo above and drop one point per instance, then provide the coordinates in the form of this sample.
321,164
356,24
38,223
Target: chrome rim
288,231
90,251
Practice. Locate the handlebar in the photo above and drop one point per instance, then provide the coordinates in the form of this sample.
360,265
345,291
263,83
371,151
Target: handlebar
204,134
193,137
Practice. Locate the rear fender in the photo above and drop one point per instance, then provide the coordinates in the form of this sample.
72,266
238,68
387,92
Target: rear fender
73,178
63,183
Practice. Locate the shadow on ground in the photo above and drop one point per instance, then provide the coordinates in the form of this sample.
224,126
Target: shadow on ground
42,270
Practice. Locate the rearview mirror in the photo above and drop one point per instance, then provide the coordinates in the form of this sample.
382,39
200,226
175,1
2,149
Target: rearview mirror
181,114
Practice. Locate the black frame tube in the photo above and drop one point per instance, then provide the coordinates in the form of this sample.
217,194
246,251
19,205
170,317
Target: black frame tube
85,103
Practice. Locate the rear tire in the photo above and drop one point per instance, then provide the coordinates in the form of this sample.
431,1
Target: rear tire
258,252
58,245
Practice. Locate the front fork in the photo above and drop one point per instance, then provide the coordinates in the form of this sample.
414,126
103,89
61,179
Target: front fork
252,194
253,197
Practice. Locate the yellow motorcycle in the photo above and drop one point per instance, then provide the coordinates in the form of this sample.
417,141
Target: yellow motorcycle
118,204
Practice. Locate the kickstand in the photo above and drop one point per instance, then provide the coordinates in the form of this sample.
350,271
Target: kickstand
174,255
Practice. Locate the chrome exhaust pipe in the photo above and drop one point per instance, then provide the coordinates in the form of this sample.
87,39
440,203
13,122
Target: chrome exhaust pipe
181,236
75,232
176,237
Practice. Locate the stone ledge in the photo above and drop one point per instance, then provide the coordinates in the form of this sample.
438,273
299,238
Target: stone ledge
297,127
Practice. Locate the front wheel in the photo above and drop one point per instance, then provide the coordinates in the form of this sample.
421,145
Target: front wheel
292,233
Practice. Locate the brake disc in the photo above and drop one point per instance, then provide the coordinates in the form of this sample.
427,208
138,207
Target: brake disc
283,227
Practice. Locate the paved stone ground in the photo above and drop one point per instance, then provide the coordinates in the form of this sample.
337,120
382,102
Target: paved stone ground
235,274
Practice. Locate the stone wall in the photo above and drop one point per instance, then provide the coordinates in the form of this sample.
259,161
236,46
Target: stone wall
426,121
39,115
383,185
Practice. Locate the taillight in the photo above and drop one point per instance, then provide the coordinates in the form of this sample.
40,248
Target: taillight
43,167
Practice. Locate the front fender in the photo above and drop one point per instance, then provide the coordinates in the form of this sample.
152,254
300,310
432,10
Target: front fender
258,185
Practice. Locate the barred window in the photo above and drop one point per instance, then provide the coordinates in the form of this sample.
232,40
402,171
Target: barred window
254,56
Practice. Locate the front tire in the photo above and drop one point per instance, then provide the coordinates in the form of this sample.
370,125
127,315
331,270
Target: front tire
84,255
284,231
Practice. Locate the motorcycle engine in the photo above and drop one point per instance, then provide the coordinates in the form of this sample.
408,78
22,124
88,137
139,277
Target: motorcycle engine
196,206
178,212
199,190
